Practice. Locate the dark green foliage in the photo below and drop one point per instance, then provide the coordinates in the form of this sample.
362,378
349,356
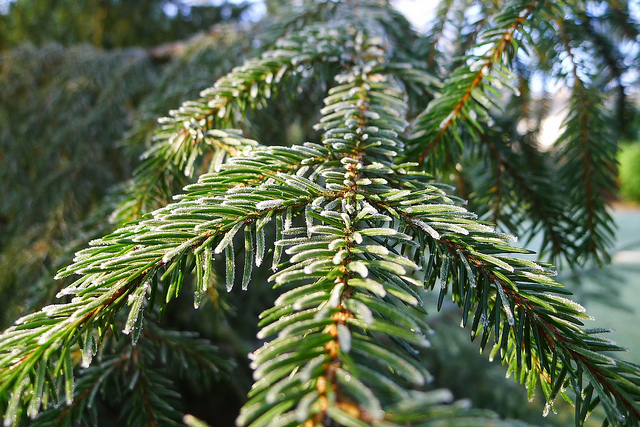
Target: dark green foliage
144,376
64,95
60,112
110,23
357,228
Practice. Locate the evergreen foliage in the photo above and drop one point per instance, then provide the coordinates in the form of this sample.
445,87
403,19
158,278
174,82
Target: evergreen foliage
357,228
108,23
68,96
60,112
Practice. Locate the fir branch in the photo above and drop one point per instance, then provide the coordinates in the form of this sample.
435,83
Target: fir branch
532,205
623,19
587,150
153,184
123,267
189,131
612,60
294,18
153,399
84,405
526,312
130,378
344,287
186,354
468,83
362,234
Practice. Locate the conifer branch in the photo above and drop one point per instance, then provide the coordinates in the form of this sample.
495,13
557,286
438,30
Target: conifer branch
346,288
126,266
359,236
88,386
531,199
190,131
526,312
162,356
587,150
466,95
612,61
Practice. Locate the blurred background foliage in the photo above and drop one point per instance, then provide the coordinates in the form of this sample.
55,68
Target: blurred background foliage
81,87
109,23
629,159
629,163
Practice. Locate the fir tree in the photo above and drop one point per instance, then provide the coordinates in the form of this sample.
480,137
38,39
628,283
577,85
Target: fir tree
357,227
